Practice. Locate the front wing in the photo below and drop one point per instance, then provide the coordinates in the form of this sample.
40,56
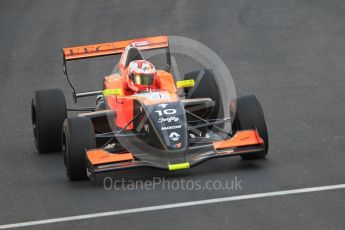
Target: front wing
243,142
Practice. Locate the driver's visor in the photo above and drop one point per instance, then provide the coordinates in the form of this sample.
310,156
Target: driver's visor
142,79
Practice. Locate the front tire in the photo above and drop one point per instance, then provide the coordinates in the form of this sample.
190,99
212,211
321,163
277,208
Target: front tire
78,135
206,86
249,115
48,111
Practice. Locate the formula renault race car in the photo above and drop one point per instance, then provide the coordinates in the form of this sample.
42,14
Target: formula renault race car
140,118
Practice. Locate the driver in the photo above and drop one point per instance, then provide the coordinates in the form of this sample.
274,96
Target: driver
141,76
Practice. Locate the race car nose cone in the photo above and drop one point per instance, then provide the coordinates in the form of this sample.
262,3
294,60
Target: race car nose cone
169,123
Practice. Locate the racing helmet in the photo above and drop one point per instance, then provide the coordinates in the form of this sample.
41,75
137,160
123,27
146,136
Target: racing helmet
141,75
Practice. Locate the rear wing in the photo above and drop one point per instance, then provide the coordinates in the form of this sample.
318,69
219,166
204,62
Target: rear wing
110,48
113,48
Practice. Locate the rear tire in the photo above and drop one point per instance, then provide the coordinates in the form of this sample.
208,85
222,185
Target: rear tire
249,115
48,111
78,135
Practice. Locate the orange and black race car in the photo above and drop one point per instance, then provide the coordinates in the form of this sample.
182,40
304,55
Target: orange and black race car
145,117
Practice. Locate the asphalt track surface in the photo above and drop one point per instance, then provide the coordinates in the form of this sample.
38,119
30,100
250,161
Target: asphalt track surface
289,53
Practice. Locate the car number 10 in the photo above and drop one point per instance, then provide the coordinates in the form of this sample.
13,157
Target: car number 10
166,112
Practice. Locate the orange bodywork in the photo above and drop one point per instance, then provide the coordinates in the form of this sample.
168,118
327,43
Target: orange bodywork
109,48
99,156
121,104
165,81
241,138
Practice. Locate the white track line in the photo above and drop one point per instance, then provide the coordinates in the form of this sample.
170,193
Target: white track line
174,205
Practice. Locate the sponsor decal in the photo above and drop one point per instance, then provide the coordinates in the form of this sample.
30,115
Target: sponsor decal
163,105
112,92
174,136
171,127
168,119
140,43
147,128
154,95
179,166
185,83
109,146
